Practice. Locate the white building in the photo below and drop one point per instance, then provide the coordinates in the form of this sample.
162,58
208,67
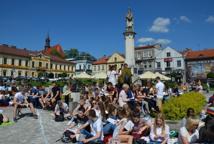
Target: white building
168,60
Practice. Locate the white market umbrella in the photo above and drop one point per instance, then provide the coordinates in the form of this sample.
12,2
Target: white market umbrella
83,75
147,75
101,75
162,77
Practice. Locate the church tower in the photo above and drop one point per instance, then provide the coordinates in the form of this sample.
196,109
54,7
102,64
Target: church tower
129,35
47,42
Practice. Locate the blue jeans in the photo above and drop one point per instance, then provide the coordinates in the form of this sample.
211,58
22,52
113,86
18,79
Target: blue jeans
89,135
108,128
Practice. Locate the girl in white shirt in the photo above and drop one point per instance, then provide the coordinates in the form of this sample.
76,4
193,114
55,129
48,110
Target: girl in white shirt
159,130
189,133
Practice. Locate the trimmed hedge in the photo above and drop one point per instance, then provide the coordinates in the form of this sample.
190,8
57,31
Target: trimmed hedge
175,108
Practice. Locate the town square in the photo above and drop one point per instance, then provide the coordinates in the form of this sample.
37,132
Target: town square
106,72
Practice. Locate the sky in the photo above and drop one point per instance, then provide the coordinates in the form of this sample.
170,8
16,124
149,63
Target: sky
97,26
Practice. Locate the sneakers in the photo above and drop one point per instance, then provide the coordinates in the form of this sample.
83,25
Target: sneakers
35,116
15,119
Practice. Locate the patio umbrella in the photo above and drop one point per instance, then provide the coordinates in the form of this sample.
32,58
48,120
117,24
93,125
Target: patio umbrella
147,75
162,77
83,75
101,75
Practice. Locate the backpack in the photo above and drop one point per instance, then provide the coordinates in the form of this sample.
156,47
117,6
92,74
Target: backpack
66,137
60,118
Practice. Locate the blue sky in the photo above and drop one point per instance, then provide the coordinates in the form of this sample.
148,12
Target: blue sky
96,26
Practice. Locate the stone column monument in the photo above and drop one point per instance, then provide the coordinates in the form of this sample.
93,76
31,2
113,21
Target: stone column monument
129,35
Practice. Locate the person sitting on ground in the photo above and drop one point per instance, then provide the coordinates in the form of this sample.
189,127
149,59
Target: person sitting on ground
45,98
19,102
96,134
141,127
76,122
111,92
190,113
34,96
61,111
4,101
123,128
211,100
82,104
123,98
112,117
159,130
189,133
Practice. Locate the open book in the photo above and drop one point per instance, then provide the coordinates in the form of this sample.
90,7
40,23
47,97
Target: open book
111,120
129,125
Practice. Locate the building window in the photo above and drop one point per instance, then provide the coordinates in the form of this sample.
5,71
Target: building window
168,64
20,62
51,66
12,62
33,64
55,66
80,67
158,64
168,54
25,74
40,64
19,73
47,65
94,68
178,63
98,68
4,72
102,67
89,67
60,67
26,63
115,59
5,60
32,74
150,65
11,72
145,66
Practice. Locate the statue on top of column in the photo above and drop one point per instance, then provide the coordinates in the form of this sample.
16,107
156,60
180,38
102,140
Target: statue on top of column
129,21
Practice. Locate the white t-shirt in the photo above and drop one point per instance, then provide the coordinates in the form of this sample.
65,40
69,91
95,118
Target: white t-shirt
19,97
112,77
160,89
122,98
97,126
191,138
158,132
65,107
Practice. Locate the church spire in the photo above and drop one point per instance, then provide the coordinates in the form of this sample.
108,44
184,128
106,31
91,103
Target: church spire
47,42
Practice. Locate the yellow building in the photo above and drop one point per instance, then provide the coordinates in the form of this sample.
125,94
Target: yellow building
16,62
103,64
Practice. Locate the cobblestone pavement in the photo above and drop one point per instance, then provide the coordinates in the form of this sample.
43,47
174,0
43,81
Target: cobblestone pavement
28,130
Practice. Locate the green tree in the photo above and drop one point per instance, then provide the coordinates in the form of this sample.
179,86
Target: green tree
72,53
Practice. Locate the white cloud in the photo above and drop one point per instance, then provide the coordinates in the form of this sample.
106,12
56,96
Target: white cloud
185,19
160,25
163,41
151,41
146,40
210,19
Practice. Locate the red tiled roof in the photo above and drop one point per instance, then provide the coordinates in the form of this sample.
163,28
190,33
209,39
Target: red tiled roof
57,48
209,53
8,50
145,47
102,60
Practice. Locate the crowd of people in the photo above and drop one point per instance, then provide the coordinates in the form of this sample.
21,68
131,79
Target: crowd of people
117,112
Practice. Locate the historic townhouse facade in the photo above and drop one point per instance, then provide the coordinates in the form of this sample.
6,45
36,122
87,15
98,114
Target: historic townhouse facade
16,62
103,64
